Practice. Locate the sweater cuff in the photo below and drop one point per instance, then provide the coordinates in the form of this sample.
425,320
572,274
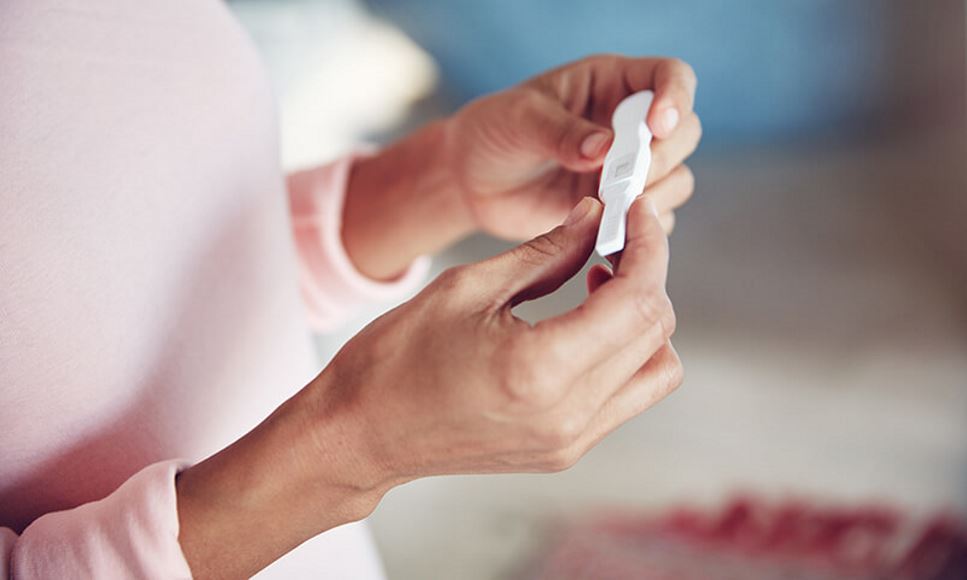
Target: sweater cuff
131,533
332,287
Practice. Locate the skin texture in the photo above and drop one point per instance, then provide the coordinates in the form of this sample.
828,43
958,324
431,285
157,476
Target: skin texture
452,381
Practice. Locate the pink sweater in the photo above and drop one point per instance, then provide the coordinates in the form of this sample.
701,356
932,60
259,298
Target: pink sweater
149,307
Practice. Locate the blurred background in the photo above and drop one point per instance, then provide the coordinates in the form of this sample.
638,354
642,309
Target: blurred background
819,273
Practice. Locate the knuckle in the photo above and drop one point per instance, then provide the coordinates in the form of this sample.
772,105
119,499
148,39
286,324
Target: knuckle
667,320
676,374
561,432
648,307
655,309
602,58
454,279
698,127
688,179
684,69
561,460
690,74
518,104
525,380
537,250
456,289
668,222
652,243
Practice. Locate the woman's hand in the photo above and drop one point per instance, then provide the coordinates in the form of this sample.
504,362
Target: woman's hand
449,382
453,382
513,163
522,158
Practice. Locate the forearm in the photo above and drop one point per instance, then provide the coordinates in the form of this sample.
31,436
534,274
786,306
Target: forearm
401,204
299,473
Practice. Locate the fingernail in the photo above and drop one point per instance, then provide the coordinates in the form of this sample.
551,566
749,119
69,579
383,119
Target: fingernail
651,207
669,119
593,144
579,211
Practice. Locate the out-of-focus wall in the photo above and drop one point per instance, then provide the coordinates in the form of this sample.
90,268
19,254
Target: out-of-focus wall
931,51
770,71
339,74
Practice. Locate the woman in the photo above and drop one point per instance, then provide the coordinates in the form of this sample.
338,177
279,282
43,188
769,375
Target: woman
150,315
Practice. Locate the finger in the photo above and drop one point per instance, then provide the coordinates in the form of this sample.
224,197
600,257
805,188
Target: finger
573,141
593,414
667,222
543,264
655,380
644,260
597,275
621,366
672,192
674,86
586,415
605,379
621,310
668,154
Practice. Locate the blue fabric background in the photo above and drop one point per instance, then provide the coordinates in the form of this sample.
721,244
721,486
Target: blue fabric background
770,70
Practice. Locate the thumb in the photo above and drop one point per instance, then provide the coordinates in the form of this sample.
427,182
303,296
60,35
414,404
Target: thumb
571,140
541,265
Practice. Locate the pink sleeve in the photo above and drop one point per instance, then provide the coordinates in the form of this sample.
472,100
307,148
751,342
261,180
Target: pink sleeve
331,286
132,533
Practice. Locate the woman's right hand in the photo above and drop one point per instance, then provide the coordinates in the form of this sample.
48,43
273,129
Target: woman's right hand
453,382
449,382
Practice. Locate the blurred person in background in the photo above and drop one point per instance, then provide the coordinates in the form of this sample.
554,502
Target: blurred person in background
152,253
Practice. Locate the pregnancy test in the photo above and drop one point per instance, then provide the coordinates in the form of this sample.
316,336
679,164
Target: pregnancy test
625,169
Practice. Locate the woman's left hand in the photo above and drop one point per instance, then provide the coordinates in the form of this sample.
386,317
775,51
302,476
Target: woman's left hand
523,157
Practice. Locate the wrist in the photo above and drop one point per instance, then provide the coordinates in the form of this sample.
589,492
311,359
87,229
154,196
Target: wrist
292,477
403,203
343,439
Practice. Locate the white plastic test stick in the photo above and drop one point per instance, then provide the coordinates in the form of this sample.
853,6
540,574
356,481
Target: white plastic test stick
625,169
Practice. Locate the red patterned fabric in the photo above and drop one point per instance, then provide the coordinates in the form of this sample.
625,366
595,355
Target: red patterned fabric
755,539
